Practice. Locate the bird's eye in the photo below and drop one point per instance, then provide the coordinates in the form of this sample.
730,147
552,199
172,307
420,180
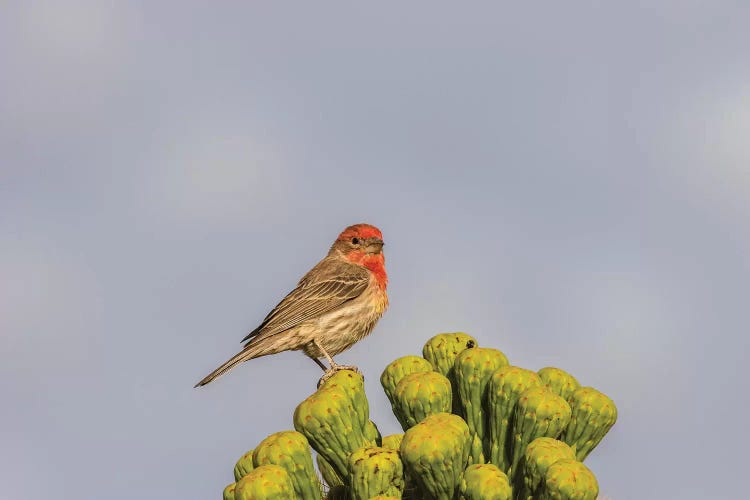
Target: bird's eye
355,241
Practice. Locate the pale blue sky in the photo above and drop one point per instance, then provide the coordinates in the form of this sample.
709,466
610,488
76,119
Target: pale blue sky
568,183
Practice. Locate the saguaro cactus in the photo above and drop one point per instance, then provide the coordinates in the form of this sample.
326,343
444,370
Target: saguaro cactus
420,395
484,482
376,471
593,415
267,482
436,452
503,389
441,351
228,493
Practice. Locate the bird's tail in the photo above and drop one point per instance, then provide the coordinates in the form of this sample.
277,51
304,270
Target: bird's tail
249,352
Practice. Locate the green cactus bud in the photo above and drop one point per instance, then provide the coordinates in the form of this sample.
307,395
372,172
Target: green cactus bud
331,420
290,450
400,368
441,351
372,434
484,482
503,389
267,482
243,466
593,415
473,368
539,413
228,493
419,395
569,480
375,471
393,441
559,381
330,476
540,454
435,453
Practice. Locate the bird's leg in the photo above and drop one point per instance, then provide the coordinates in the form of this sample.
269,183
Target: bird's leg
334,366
320,364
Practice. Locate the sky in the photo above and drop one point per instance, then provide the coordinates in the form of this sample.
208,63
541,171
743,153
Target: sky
567,183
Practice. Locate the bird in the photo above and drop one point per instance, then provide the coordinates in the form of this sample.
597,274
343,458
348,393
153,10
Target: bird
336,304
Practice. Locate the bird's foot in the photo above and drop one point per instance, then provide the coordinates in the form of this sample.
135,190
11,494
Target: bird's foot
335,368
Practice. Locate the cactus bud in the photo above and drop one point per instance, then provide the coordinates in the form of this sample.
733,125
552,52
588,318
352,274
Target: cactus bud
484,482
435,453
393,441
290,450
267,482
539,413
243,466
376,471
400,368
419,395
559,381
441,351
540,454
593,415
228,493
569,480
372,434
503,389
473,368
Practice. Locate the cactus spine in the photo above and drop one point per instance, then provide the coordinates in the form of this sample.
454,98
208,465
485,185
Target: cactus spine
594,413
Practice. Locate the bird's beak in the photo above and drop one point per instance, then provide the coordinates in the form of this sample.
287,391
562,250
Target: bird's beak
374,246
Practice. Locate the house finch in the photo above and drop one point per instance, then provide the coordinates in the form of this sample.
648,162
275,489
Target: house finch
334,305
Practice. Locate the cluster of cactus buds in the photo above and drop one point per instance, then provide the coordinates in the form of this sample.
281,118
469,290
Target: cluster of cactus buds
475,427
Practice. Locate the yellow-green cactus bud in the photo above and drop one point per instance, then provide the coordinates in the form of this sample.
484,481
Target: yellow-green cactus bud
267,482
435,453
569,480
398,369
503,389
372,434
330,476
473,368
228,493
243,466
331,420
419,395
539,413
375,471
484,482
559,381
540,454
393,441
441,351
593,415
290,450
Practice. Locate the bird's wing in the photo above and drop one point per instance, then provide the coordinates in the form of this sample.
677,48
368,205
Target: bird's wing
317,293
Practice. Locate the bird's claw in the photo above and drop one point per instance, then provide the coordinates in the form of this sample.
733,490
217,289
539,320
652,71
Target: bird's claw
335,368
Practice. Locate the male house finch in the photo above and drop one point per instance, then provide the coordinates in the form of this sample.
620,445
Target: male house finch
334,305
